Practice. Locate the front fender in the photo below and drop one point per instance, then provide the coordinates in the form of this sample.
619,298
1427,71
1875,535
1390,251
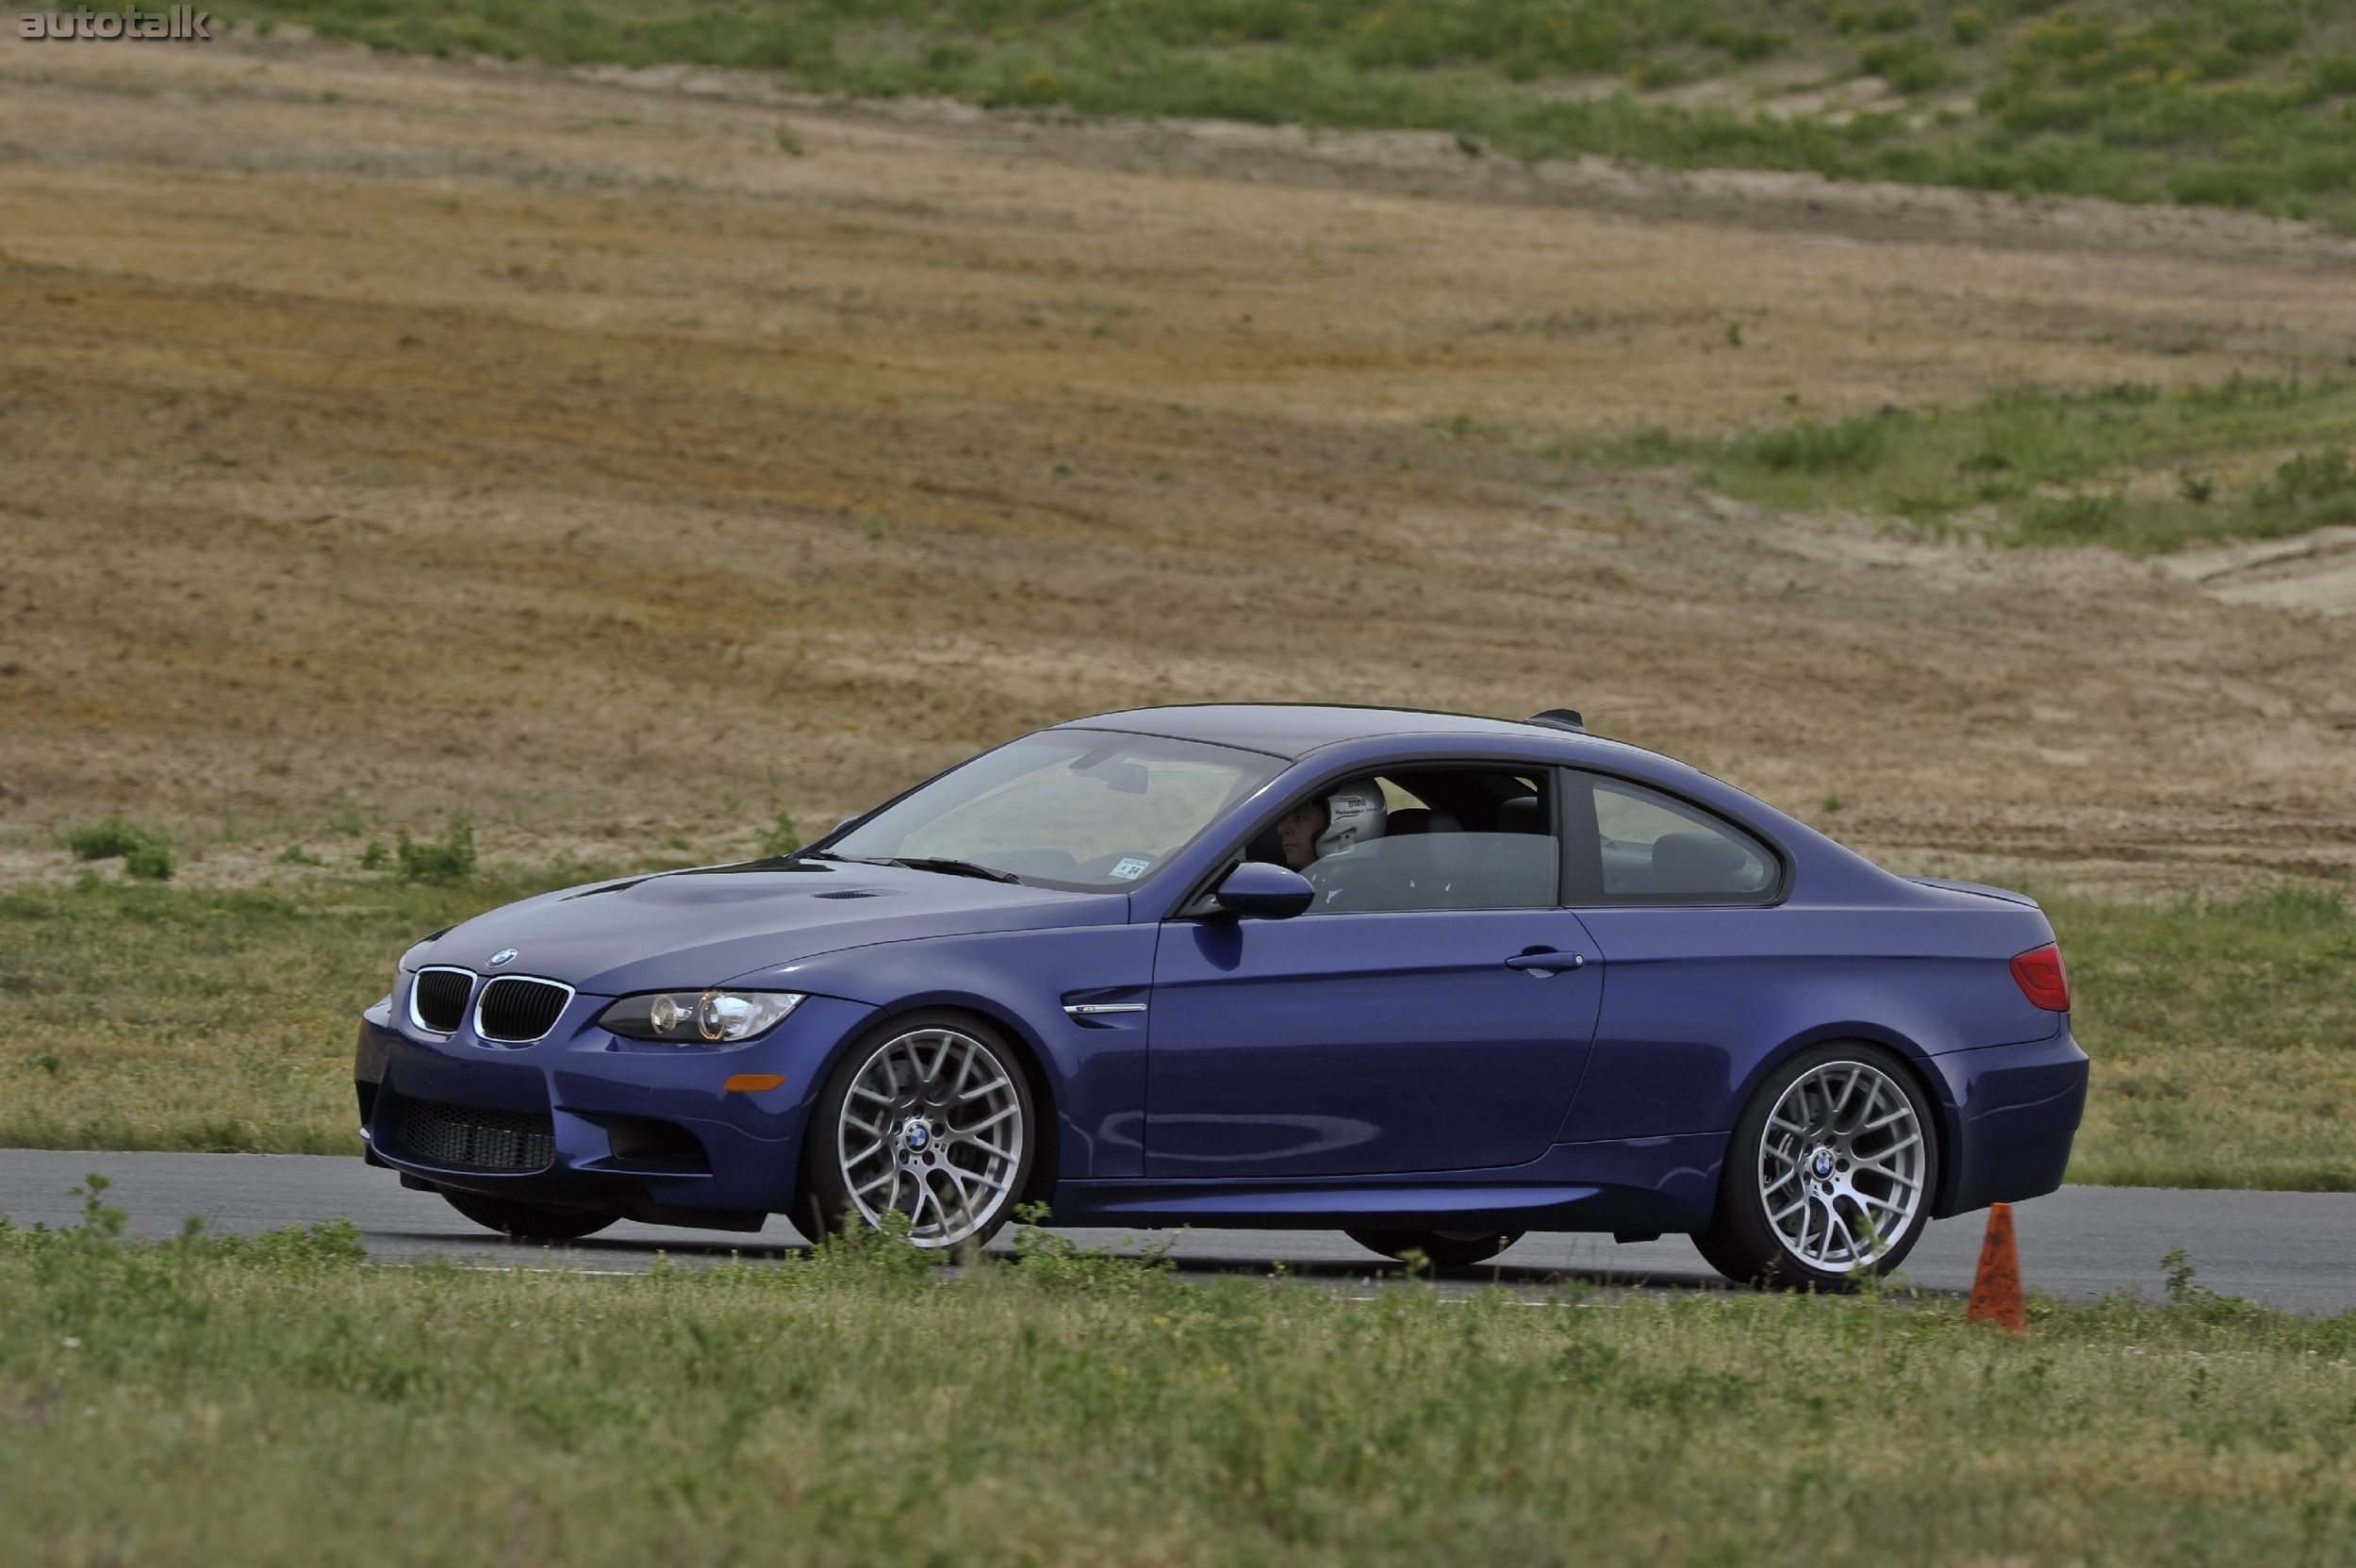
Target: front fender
1093,1071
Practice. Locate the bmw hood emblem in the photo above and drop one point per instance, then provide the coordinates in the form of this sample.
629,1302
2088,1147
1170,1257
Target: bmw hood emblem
503,956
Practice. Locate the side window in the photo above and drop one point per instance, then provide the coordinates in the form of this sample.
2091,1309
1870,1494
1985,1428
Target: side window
1656,850
1436,838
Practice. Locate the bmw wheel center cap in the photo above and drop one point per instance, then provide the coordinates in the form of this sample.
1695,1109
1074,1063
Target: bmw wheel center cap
1823,1162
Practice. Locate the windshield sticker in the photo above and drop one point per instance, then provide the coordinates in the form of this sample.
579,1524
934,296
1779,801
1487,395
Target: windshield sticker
1129,869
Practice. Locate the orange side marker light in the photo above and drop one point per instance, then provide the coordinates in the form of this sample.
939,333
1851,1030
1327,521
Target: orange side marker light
1996,1289
752,1083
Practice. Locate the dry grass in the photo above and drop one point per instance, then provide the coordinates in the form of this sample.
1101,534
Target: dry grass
565,455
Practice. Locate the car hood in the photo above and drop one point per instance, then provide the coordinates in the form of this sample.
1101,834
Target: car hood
687,930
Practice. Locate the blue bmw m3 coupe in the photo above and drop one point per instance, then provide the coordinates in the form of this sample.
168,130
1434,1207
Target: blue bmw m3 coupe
1432,980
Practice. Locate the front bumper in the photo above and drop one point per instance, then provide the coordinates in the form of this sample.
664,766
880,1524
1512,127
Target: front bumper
2013,1113
647,1131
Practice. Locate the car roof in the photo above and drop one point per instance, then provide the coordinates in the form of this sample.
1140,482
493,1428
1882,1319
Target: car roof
1293,730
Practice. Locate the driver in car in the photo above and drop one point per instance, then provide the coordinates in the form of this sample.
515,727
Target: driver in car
1317,828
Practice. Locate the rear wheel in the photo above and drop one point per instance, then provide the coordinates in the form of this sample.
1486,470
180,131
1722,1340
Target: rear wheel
1446,1248
531,1222
1829,1175
929,1116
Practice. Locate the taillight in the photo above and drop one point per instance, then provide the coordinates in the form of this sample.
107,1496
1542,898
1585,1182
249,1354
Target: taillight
2042,978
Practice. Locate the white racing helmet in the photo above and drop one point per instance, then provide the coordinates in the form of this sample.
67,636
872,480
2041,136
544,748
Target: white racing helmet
1353,814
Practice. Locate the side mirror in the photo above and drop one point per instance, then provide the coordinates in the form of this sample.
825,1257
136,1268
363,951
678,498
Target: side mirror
1268,892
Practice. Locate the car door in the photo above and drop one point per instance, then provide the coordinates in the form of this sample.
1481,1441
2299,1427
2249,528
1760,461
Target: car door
1369,1035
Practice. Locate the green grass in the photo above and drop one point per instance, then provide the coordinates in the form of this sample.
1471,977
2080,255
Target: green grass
2224,1039
2242,104
278,1402
2224,1034
2130,465
154,1017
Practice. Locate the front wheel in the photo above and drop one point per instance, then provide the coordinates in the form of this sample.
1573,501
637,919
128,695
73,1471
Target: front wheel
929,1116
1444,1248
1829,1174
531,1222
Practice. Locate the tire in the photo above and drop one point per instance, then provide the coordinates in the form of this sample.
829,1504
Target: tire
931,1113
531,1222
1829,1174
1444,1248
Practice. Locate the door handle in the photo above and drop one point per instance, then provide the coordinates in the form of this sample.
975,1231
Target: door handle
1540,965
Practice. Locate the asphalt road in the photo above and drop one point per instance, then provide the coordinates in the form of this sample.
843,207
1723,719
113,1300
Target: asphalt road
2296,1250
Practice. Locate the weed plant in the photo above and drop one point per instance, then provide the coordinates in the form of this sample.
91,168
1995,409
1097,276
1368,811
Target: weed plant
779,838
2250,105
445,861
278,1401
145,852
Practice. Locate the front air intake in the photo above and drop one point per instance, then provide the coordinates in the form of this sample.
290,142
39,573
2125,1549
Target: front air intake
437,1002
466,1137
516,1012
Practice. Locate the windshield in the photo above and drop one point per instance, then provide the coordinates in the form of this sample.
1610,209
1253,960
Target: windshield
1066,808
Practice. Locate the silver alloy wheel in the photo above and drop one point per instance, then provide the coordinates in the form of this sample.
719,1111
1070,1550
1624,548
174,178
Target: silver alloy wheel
1841,1166
931,1126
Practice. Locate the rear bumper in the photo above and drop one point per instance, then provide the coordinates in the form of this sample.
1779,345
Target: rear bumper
717,1157
2014,1112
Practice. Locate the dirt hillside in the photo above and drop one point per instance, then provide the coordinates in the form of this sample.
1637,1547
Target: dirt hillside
631,455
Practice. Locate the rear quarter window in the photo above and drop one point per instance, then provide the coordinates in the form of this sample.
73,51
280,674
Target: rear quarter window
1654,849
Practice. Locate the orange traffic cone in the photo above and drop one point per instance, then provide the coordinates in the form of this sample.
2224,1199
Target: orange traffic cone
1996,1289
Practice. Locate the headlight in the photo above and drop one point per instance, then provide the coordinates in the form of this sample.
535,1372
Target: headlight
699,1017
